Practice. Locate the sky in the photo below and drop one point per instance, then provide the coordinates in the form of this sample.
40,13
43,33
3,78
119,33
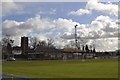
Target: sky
97,22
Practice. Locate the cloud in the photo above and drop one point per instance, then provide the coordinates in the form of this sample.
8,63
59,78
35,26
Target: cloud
38,26
9,7
80,12
107,8
101,32
110,44
66,24
101,27
62,31
68,35
52,11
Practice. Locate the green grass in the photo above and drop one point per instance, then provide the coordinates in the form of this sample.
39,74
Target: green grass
0,66
100,68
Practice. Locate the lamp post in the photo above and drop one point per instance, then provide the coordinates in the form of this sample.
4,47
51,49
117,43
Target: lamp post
76,45
76,36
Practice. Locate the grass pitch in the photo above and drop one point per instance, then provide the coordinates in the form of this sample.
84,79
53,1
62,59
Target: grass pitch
99,68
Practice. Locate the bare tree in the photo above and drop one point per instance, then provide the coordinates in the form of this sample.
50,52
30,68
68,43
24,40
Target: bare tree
42,43
72,44
50,42
34,42
7,40
7,44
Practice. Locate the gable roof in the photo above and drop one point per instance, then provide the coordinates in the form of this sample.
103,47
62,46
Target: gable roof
71,50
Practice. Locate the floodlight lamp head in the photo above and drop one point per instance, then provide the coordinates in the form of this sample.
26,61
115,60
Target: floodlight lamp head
76,25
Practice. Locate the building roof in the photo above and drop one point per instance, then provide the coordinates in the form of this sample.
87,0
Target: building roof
71,50
47,49
16,48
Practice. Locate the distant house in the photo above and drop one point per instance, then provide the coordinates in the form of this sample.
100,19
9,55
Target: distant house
48,52
31,53
70,53
70,50
16,50
76,53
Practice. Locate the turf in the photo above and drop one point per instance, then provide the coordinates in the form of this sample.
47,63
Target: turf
99,68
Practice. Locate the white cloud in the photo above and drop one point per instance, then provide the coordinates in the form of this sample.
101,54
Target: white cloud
9,7
80,12
101,29
107,44
62,30
68,35
65,24
12,28
52,11
37,26
107,8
